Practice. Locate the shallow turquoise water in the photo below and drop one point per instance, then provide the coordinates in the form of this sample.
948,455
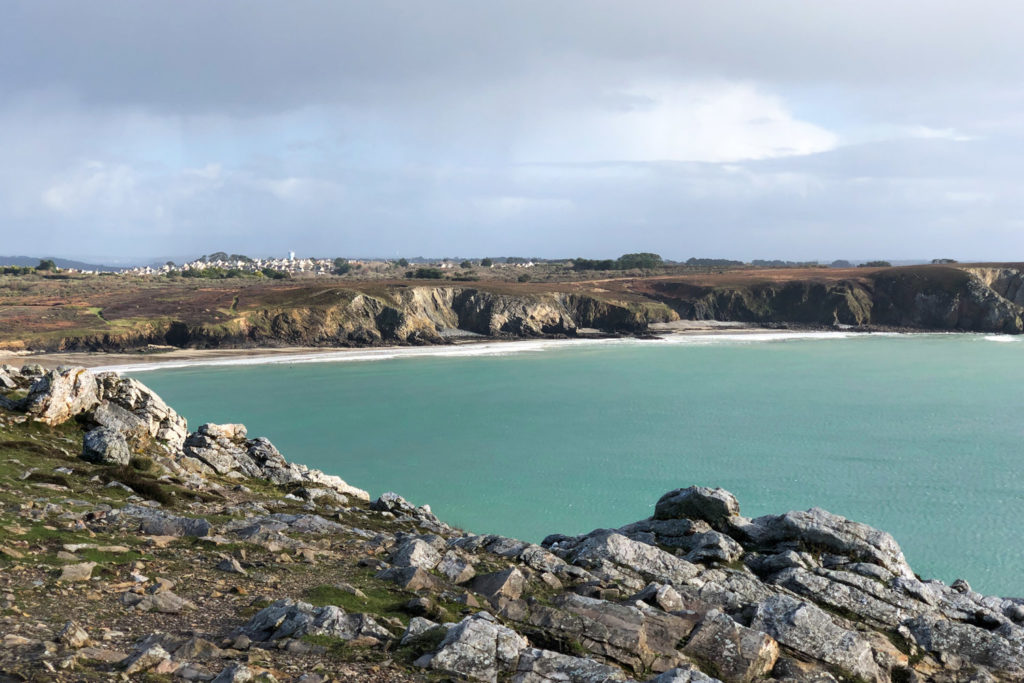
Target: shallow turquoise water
917,435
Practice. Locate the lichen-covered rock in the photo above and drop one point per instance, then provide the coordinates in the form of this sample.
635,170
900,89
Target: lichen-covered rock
992,649
810,631
544,666
416,553
106,446
738,654
288,618
507,583
613,556
714,506
162,422
479,649
684,674
822,529
61,394
455,568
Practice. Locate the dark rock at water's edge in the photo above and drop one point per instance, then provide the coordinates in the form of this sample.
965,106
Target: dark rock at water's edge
149,550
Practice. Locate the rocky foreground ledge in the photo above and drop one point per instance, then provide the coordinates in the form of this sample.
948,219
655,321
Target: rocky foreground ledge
132,549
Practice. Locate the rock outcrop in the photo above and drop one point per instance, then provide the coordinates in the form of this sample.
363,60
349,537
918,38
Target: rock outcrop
276,566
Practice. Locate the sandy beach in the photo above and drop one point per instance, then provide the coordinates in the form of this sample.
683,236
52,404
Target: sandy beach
474,345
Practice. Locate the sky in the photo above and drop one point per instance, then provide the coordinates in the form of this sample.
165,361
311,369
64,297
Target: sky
136,130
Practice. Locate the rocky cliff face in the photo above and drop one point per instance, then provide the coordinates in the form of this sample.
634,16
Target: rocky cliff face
132,547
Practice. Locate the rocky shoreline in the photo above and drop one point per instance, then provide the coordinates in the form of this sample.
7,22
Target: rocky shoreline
134,549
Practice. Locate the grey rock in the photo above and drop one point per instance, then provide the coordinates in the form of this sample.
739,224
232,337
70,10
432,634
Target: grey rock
231,565
105,446
608,553
415,553
153,522
684,674
161,421
409,578
164,603
821,528
821,587
73,635
479,649
61,394
974,644
144,659
712,546
714,506
113,416
417,626
455,569
543,666
291,619
392,502
234,673
808,630
635,638
740,654
77,572
508,583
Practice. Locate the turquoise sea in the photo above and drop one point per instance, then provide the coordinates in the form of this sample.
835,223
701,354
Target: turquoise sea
920,435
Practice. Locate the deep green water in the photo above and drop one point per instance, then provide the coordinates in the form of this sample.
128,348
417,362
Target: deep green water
917,435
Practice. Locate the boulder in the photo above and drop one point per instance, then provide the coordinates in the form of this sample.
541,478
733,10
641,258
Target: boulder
971,643
684,674
738,654
455,569
73,636
822,529
607,553
508,583
77,572
635,638
155,522
106,446
544,666
417,627
162,422
415,553
714,506
410,578
810,631
118,419
479,649
288,618
61,394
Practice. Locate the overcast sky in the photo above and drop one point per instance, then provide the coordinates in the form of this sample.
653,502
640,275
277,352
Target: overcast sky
794,130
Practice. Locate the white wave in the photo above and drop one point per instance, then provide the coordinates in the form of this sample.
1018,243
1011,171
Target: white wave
492,348
1001,338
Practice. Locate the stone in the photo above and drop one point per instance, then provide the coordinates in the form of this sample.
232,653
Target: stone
393,503
971,643
544,666
410,578
234,673
165,602
288,618
879,611
415,553
712,546
455,569
155,522
231,565
714,506
822,529
77,572
609,550
739,654
479,649
162,423
508,583
144,659
73,636
61,394
808,630
417,626
105,446
118,419
197,649
684,674
635,638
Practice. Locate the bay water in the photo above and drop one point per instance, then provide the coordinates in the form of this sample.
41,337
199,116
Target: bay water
919,435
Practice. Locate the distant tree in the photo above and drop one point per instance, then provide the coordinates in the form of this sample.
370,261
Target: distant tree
486,263
218,256
274,274
46,264
640,260
943,260
426,274
712,262
341,266
169,264
876,264
466,264
593,264
525,277
403,262
841,263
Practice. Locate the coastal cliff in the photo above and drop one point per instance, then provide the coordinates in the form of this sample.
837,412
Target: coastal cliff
131,546
363,313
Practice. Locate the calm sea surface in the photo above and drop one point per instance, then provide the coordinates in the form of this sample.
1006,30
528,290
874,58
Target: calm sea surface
922,436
